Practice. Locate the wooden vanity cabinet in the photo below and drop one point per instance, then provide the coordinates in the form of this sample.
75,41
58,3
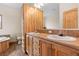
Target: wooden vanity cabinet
48,48
4,46
42,47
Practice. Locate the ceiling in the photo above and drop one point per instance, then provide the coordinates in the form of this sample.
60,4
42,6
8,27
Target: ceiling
12,5
46,7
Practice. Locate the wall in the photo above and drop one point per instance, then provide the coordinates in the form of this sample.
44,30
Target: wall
11,21
64,7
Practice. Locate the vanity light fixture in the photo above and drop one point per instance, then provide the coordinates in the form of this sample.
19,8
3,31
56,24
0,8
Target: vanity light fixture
38,5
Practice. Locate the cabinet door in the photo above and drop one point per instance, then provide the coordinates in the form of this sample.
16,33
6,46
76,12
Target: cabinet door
45,48
0,49
3,46
71,19
65,51
27,43
33,18
54,50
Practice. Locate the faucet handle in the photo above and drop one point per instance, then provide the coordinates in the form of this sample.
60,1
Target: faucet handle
61,35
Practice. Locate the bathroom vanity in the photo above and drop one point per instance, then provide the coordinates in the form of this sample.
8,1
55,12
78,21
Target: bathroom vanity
41,45
4,44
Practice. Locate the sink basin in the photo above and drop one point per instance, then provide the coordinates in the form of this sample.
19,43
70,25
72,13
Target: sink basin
68,38
63,38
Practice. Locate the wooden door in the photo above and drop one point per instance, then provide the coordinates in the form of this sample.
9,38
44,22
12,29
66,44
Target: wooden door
71,19
45,48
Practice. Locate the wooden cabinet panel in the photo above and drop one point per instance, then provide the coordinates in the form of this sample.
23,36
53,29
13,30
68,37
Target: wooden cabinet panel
45,48
4,46
30,45
65,51
54,49
0,48
70,20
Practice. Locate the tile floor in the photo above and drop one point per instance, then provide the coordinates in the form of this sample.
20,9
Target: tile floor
14,50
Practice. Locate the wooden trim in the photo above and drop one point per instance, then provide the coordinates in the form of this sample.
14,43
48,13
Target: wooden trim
70,10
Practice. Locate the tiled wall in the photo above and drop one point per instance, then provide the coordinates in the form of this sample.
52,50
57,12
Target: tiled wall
74,33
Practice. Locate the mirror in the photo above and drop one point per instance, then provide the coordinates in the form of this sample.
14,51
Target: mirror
0,22
55,13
